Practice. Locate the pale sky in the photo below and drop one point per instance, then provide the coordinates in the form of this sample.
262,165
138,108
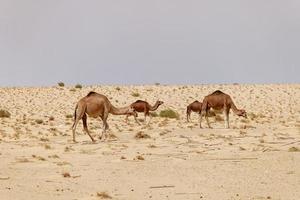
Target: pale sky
43,42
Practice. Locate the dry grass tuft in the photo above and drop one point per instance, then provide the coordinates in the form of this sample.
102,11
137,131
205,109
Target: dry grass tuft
103,195
135,94
294,149
169,113
61,84
78,86
139,157
218,118
4,114
66,175
69,116
141,135
39,121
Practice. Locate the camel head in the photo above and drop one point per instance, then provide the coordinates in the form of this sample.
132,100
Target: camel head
242,113
159,102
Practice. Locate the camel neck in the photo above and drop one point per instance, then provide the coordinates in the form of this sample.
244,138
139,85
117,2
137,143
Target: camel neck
118,111
153,108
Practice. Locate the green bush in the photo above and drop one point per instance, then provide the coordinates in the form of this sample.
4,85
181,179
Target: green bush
169,113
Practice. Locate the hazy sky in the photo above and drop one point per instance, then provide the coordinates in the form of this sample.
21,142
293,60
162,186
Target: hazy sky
43,42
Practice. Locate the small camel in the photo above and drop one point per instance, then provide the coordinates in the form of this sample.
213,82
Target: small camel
97,105
218,101
145,107
193,107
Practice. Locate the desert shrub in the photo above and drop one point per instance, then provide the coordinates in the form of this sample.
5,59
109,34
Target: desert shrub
39,121
61,84
218,118
4,114
135,94
103,195
153,114
118,88
169,113
68,116
141,135
157,84
78,86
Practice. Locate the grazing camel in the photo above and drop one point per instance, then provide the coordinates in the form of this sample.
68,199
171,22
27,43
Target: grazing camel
145,107
97,105
195,107
218,101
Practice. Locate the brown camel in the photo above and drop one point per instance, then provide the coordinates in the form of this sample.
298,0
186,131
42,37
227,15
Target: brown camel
218,101
193,107
145,107
97,105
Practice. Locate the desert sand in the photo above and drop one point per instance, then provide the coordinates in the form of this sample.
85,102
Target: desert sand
257,158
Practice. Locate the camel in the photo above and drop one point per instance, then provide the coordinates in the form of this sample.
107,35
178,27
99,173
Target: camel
195,107
145,107
97,105
218,101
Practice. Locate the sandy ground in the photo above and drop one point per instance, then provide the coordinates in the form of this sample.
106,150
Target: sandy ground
257,158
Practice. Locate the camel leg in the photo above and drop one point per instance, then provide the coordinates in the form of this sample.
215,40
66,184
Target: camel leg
126,119
226,113
135,118
79,112
200,118
105,125
85,127
150,118
206,117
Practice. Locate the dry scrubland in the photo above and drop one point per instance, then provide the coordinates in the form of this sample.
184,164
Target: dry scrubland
257,158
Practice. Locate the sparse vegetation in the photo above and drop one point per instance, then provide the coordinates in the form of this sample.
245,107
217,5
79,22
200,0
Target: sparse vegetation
139,157
61,84
66,175
69,116
118,88
169,113
141,135
4,114
153,114
294,149
135,94
39,121
78,86
103,195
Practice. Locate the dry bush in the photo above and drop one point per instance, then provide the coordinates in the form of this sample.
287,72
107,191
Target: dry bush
153,114
103,195
118,88
294,149
66,175
169,113
218,118
61,84
68,116
4,114
39,121
141,135
135,94
139,157
78,86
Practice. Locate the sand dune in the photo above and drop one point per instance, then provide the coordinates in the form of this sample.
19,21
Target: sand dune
257,158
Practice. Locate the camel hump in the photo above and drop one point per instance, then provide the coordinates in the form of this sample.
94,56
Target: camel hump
91,93
196,101
217,92
139,101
